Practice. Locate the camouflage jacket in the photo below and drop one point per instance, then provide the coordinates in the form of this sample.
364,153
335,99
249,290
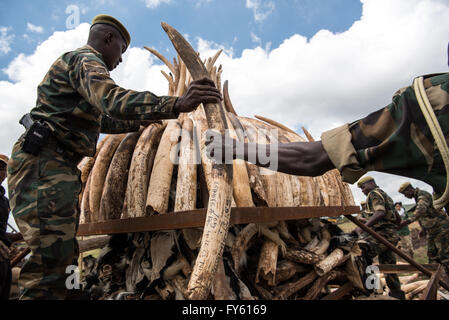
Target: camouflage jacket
365,214
395,139
78,100
430,219
378,200
405,231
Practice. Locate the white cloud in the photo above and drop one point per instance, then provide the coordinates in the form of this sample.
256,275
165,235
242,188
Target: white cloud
25,72
32,28
335,78
155,3
261,9
255,38
318,83
199,3
5,40
390,184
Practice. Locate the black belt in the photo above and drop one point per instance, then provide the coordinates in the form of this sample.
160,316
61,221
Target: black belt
55,145
42,137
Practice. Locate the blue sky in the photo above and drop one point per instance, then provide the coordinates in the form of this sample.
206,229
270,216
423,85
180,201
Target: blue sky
228,22
312,63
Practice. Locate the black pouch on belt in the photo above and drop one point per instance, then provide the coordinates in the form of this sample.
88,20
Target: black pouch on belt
36,137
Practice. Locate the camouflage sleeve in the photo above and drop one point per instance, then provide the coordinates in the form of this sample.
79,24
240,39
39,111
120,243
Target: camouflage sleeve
414,218
338,146
91,78
395,139
422,204
377,202
110,125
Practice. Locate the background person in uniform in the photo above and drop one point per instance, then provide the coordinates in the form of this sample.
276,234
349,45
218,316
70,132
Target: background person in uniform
364,214
6,239
384,221
5,243
76,101
434,223
405,242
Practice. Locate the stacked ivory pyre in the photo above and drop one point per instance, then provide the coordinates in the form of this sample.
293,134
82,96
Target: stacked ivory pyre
164,168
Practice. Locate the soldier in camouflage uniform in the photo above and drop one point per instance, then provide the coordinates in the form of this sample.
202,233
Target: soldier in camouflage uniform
433,222
364,214
395,139
76,101
383,220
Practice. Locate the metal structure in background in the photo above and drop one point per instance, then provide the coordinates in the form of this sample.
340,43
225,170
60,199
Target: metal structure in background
196,218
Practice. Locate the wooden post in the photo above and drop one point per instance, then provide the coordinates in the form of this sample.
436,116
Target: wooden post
431,291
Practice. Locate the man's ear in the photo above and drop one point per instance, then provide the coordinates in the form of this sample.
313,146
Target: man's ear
108,37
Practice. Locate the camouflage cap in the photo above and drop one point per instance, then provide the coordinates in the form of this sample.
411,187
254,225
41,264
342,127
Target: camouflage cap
4,158
105,19
363,180
404,186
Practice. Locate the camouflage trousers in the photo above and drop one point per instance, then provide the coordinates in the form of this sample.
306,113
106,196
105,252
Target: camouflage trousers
44,193
438,249
386,256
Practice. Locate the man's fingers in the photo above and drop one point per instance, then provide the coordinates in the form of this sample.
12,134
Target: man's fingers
203,81
4,251
205,91
203,87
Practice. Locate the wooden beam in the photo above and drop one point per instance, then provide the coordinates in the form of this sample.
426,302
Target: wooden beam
196,218
402,268
94,243
22,254
431,291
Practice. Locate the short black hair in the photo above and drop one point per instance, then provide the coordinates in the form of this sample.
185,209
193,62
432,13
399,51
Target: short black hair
400,203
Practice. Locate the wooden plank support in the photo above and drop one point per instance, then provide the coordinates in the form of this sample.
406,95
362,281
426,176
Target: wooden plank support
14,261
340,292
403,268
196,218
431,291
91,244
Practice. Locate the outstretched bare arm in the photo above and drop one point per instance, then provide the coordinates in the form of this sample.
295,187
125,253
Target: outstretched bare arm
297,158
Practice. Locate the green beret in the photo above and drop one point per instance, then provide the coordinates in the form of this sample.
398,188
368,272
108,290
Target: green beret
105,19
404,186
364,180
